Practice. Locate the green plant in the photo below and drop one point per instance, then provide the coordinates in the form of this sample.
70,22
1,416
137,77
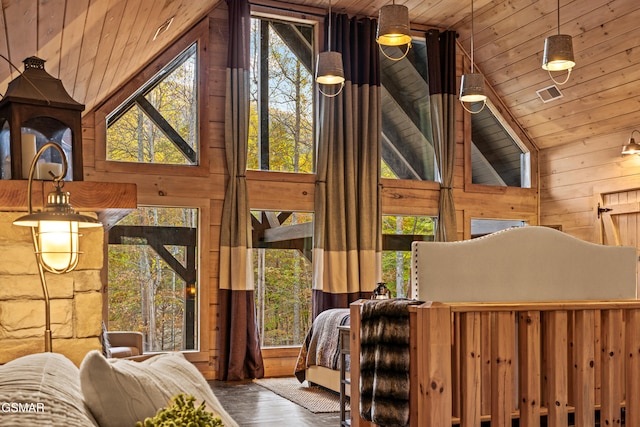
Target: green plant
182,413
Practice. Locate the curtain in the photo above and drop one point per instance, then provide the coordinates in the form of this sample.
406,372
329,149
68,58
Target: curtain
238,340
441,59
347,225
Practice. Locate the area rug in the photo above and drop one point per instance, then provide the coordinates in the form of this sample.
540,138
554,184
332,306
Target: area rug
315,399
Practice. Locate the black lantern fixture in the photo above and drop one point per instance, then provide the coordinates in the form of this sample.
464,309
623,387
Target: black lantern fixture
36,109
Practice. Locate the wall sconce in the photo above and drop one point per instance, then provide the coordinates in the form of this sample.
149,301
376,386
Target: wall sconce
54,231
329,67
632,147
394,28
558,53
472,84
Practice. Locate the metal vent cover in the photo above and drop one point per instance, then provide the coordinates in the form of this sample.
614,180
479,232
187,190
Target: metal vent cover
549,93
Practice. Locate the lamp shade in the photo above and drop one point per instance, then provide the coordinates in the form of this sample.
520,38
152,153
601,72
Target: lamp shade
393,25
56,230
558,53
632,147
472,88
329,68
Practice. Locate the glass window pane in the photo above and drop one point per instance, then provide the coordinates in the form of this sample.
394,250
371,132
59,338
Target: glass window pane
397,234
283,276
497,156
281,133
159,123
152,277
407,142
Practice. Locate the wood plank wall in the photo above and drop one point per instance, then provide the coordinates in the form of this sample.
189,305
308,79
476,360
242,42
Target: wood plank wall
278,191
573,176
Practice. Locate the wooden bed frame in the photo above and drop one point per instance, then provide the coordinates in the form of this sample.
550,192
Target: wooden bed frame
524,323
325,377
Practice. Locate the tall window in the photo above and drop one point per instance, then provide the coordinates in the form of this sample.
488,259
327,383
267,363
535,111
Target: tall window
282,267
153,276
498,157
397,234
281,116
159,123
407,142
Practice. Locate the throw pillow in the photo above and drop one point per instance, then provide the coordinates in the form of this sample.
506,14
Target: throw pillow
42,390
121,392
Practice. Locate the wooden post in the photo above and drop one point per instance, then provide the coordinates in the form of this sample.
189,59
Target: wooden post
584,368
555,348
434,365
632,339
529,354
485,366
470,387
502,358
612,368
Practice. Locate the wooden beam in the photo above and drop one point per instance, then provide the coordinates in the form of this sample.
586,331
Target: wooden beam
111,201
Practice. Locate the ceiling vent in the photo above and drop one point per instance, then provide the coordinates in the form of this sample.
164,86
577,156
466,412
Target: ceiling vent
549,94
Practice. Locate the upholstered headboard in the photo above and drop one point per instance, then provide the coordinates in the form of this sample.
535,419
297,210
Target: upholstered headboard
522,264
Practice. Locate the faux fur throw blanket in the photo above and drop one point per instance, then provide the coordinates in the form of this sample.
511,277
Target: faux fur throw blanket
384,362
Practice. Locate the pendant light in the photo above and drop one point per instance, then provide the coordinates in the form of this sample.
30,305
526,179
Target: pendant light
472,84
632,147
329,67
394,28
558,53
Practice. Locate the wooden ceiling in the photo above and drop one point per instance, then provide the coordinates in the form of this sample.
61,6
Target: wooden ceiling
94,46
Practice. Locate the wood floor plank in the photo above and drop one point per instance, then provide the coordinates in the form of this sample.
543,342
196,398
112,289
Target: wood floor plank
252,405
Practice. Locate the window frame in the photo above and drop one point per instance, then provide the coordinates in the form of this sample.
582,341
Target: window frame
309,226
511,126
201,353
199,35
312,18
417,37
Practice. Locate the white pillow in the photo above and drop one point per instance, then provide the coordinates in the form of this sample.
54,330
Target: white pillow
42,390
121,392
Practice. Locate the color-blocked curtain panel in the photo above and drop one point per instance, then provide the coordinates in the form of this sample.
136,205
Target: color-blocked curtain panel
238,341
441,58
347,226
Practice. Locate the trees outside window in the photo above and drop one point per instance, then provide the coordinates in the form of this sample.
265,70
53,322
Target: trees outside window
159,123
152,285
281,134
398,232
283,276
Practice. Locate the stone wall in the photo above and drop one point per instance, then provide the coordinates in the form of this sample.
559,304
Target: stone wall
76,297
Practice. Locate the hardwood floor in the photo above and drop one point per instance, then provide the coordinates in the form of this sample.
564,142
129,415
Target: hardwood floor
252,405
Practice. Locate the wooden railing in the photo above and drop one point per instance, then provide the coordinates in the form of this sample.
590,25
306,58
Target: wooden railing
497,361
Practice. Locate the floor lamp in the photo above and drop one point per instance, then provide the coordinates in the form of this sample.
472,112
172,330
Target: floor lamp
54,231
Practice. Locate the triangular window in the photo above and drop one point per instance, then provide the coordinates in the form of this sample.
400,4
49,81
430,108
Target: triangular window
158,124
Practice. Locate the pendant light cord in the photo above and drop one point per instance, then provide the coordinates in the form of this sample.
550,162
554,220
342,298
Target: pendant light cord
329,29
472,36
558,17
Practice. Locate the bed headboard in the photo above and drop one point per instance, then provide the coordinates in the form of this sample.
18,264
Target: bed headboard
522,264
